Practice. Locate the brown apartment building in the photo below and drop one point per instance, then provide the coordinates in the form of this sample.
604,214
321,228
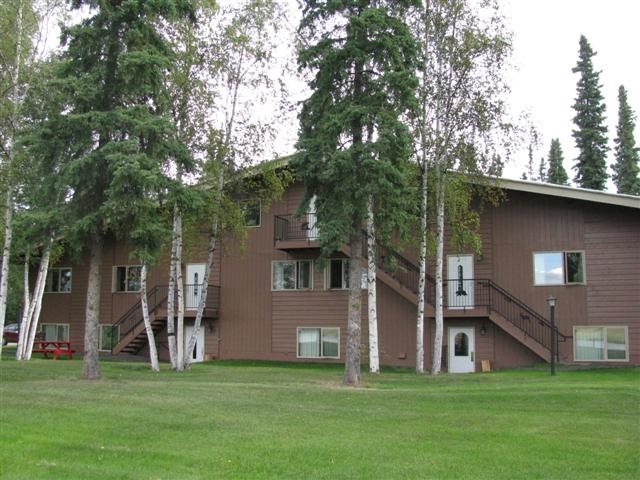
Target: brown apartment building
275,301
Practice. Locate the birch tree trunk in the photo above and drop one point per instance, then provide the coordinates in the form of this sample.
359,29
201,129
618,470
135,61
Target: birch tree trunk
8,215
26,302
90,361
422,276
439,306
374,354
174,264
29,324
354,314
213,239
153,351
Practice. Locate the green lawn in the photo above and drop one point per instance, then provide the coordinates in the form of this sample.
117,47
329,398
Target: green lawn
260,420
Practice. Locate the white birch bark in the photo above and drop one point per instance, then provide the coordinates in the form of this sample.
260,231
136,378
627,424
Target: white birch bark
174,264
31,315
8,199
26,301
180,300
374,355
422,275
153,351
213,238
439,306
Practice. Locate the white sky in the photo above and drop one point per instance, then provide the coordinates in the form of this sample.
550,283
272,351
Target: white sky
546,44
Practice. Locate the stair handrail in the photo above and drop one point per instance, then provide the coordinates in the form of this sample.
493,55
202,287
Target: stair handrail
154,302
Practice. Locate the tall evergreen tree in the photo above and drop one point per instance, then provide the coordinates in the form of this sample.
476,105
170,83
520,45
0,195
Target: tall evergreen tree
353,144
591,130
112,136
626,169
556,173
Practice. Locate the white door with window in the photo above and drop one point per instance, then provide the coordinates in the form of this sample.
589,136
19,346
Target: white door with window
193,285
461,350
312,219
198,351
460,292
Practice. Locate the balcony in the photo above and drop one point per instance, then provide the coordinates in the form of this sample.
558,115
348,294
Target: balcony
293,232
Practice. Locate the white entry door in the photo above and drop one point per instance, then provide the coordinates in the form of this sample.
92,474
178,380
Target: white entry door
198,351
461,350
460,281
312,219
193,285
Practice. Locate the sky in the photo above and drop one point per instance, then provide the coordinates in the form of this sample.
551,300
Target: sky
546,43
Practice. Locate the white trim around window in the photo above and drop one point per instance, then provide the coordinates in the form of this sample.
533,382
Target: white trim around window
318,342
601,343
55,331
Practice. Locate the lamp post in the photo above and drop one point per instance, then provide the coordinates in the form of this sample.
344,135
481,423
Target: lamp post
552,311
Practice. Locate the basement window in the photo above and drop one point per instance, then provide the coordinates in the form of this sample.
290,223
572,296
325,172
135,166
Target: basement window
109,336
55,331
601,344
558,268
318,342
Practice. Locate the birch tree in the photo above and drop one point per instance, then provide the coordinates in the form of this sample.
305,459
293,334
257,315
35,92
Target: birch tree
464,46
339,163
243,75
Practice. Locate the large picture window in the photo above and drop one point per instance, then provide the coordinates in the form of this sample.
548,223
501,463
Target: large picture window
602,344
58,280
558,268
127,279
292,275
318,342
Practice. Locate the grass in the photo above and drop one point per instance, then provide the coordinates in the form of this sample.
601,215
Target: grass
268,420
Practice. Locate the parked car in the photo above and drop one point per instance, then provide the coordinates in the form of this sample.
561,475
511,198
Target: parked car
11,332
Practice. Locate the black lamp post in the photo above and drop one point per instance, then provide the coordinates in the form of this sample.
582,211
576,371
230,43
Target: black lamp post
552,311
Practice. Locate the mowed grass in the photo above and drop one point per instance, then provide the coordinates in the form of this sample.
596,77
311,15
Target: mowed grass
262,420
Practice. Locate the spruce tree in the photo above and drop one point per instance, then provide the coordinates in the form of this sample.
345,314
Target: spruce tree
591,130
353,143
556,173
627,165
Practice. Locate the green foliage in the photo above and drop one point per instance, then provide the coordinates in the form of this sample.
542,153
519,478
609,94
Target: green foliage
591,130
556,173
353,143
276,420
626,169
108,134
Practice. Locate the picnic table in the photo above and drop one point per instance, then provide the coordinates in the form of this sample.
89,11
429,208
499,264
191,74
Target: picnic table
54,347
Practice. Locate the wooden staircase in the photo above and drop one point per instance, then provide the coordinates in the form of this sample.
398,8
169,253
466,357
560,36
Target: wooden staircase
129,331
502,308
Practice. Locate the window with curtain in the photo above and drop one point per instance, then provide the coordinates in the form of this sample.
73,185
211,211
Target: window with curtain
127,278
600,344
55,331
315,342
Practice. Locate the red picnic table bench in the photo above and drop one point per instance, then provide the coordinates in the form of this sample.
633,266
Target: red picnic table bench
54,347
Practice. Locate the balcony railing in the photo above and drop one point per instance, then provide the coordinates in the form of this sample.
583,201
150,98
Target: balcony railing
295,228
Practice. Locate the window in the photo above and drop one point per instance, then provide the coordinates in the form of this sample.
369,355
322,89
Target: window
109,336
55,331
58,280
292,275
558,268
601,344
251,213
338,274
127,279
318,342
